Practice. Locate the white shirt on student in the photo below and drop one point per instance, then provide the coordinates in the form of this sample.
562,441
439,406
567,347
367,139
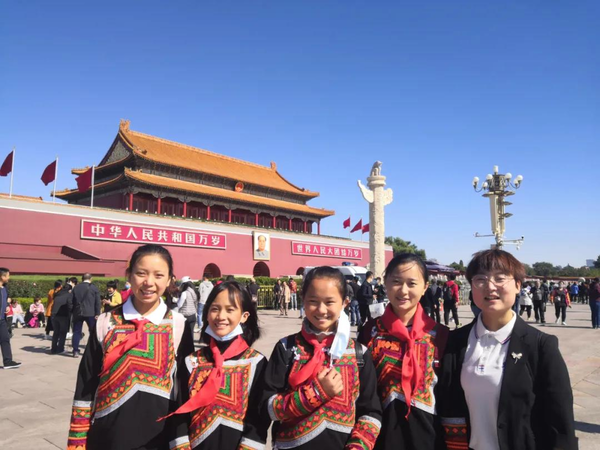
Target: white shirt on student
481,380
156,316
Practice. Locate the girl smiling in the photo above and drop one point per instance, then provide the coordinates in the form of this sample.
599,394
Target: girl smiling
320,387
406,345
126,376
223,381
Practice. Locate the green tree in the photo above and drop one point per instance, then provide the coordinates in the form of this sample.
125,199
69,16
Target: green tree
544,269
458,266
529,270
401,246
597,263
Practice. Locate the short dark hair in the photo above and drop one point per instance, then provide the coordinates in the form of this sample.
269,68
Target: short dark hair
150,249
325,272
3,271
57,284
86,277
369,274
238,296
73,280
496,259
406,258
112,284
451,277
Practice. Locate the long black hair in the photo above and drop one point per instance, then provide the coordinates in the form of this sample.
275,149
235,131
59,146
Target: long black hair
240,297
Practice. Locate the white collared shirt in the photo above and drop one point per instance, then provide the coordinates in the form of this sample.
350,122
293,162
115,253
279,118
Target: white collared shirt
481,379
156,316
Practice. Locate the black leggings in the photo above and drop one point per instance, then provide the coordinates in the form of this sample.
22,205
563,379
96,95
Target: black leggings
450,306
561,308
526,308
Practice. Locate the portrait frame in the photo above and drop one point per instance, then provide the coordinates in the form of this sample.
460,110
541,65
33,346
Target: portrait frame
261,246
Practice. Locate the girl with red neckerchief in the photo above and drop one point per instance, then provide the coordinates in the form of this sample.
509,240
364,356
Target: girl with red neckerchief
406,345
320,386
222,383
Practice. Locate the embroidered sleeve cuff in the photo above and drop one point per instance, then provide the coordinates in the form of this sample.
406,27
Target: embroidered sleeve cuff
249,444
320,392
364,434
298,403
81,415
181,443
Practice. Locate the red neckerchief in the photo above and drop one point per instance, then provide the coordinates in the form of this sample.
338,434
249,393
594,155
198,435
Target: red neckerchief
312,367
422,324
131,341
208,392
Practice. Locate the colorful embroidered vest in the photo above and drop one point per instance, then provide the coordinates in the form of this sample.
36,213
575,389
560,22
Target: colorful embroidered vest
387,352
337,414
149,367
231,404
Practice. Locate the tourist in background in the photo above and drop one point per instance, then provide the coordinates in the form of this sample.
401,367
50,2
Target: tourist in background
574,292
365,297
526,302
293,294
9,316
451,297
584,290
503,384
61,317
539,307
113,297
7,356
172,294
354,307
277,292
560,298
285,299
51,293
85,308
205,289
37,313
188,302
594,300
18,317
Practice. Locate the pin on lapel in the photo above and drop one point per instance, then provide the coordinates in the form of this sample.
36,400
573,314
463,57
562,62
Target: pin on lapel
516,356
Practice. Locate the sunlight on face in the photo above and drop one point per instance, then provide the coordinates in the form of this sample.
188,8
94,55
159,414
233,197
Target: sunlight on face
323,304
223,317
405,286
149,279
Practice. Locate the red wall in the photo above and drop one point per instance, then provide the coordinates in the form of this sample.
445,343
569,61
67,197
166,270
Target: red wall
54,227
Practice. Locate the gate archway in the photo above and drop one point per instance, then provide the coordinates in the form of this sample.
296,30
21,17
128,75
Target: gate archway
261,270
212,271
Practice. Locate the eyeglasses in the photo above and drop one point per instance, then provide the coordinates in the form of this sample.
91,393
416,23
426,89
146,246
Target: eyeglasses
481,281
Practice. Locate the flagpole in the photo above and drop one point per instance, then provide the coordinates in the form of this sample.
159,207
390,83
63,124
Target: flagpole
93,176
12,173
55,176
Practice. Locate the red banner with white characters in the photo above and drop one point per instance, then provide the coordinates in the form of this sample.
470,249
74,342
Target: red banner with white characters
331,251
143,234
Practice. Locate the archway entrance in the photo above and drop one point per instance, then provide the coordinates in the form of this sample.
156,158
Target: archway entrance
212,271
300,271
261,270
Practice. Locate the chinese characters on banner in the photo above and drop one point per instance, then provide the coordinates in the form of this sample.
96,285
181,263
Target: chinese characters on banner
311,249
112,231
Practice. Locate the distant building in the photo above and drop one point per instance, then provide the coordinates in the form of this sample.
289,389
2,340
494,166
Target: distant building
590,262
216,214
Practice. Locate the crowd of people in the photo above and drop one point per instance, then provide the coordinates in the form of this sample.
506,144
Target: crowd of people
406,382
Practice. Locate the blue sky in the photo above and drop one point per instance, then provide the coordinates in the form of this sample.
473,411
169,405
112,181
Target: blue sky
438,91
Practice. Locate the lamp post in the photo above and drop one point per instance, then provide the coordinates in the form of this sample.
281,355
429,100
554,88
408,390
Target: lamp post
497,187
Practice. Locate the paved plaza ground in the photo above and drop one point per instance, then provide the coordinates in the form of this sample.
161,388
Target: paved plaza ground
35,400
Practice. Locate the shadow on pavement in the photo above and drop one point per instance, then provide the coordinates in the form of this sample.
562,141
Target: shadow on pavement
587,427
32,349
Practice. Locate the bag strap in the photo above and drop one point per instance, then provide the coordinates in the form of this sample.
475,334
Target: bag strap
360,354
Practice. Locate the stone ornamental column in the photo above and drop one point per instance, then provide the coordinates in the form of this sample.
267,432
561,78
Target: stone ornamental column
377,197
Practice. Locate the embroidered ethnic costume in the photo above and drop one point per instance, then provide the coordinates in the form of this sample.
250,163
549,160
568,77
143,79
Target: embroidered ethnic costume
306,417
117,408
418,430
225,423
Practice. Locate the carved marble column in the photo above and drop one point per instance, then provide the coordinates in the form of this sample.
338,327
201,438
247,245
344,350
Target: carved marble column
377,197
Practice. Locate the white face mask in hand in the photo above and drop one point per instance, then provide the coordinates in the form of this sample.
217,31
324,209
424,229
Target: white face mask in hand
342,337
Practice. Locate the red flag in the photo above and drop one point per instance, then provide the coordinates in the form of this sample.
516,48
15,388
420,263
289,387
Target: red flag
347,223
365,229
7,165
357,227
49,173
84,181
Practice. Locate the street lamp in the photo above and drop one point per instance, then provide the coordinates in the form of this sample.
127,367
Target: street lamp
497,187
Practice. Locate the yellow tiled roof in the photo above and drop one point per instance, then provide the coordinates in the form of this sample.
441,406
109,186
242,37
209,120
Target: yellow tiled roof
199,160
186,186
